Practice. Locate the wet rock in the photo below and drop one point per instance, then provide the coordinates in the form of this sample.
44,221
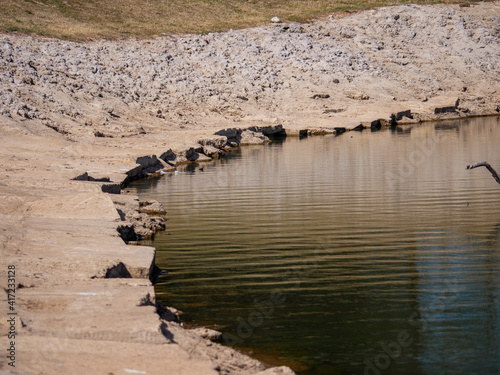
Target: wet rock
320,131
340,130
378,124
152,208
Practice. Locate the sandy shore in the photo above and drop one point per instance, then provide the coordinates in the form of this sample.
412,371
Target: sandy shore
117,110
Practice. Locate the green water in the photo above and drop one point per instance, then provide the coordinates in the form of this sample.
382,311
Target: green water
366,253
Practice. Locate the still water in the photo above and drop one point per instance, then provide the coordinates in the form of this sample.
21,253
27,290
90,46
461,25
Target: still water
366,253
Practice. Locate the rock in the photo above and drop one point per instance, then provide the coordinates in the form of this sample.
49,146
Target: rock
320,96
327,111
192,155
111,188
153,208
450,109
127,233
217,141
275,20
168,157
148,161
249,137
233,135
209,334
340,130
211,151
402,114
275,131
358,96
167,313
320,131
359,128
85,177
376,125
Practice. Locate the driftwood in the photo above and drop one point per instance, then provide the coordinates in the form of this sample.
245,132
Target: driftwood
488,166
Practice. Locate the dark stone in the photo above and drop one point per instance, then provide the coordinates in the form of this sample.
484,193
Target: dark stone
339,131
118,272
233,135
148,161
168,314
402,114
82,177
333,110
168,157
359,128
127,233
302,133
111,188
393,120
320,96
85,177
445,110
376,125
192,155
276,131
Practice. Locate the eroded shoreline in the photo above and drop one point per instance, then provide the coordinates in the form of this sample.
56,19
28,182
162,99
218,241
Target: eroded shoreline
98,111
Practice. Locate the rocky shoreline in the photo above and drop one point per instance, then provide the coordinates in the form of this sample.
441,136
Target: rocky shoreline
79,121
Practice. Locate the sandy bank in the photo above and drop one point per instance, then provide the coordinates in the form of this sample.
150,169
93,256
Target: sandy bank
118,110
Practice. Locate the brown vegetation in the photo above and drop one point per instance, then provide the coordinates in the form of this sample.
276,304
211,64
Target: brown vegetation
83,20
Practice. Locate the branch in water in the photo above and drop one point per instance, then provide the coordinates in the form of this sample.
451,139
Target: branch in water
494,173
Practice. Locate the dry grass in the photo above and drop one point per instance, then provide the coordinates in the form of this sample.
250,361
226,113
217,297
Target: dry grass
88,19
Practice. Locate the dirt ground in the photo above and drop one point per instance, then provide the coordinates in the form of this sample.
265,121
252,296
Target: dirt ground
83,301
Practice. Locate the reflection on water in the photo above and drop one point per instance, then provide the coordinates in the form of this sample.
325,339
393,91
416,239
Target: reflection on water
364,253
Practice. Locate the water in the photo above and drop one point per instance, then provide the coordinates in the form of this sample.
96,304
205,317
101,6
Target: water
366,253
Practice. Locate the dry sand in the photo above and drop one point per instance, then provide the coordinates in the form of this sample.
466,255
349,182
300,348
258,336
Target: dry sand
70,108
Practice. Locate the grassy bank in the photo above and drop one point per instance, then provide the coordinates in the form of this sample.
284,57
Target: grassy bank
87,19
